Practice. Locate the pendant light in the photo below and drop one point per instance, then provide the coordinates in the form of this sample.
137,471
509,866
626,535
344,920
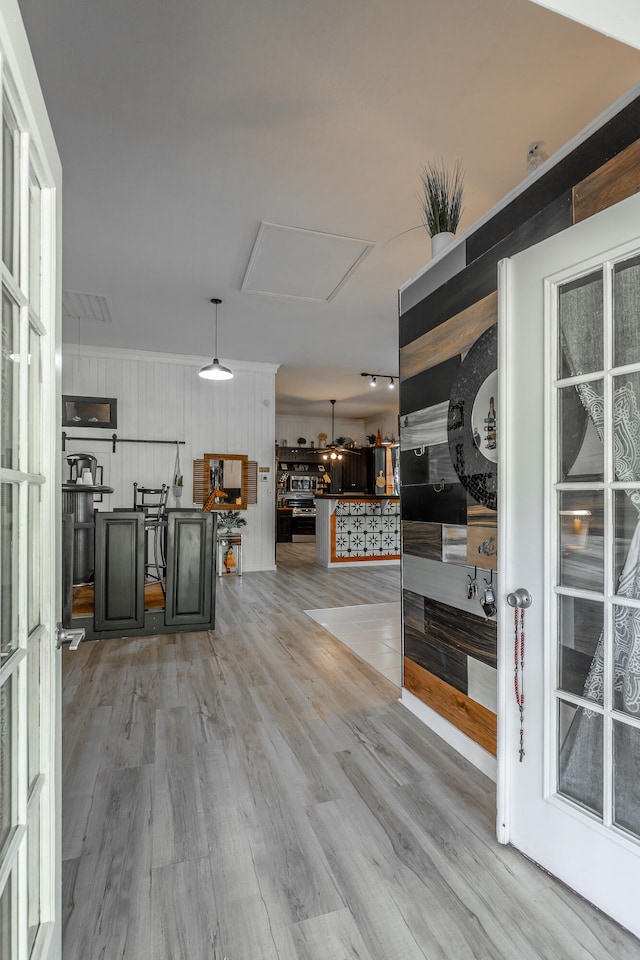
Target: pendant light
215,370
334,451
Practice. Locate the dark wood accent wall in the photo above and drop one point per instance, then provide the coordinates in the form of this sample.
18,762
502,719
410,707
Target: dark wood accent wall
422,539
450,647
615,181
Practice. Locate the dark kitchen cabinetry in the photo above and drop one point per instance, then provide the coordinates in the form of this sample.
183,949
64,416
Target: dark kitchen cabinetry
284,531
349,474
305,462
375,461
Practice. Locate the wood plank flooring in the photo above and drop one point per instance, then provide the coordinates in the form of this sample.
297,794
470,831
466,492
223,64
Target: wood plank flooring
258,793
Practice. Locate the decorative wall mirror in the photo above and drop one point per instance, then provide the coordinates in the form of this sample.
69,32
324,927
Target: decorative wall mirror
226,480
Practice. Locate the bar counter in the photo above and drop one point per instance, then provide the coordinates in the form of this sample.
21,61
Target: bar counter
357,528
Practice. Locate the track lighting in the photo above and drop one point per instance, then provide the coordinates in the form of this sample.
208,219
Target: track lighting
373,382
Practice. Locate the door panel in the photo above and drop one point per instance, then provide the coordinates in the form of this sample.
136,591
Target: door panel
570,506
190,571
119,576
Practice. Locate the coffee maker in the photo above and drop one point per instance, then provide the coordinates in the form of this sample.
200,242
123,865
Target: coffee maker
77,499
79,464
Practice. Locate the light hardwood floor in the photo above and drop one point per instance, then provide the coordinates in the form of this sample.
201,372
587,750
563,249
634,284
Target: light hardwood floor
258,793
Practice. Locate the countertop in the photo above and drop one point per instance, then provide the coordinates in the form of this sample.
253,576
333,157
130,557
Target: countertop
357,496
86,488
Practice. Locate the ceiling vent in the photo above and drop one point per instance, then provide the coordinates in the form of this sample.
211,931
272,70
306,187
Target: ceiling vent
302,264
86,306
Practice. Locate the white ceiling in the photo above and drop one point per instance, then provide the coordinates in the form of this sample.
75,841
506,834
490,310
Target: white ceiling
182,126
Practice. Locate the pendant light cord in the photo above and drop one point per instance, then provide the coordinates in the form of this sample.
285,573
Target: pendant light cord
216,302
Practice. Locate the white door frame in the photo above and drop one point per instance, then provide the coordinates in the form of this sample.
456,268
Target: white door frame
37,151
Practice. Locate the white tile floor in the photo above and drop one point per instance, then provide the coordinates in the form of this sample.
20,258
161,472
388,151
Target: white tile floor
372,630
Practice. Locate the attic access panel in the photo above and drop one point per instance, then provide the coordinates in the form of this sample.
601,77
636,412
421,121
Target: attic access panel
302,264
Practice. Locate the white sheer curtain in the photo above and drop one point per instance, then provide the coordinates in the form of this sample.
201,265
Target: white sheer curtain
581,753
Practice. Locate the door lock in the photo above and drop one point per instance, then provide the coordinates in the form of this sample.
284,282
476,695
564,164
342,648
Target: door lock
73,636
519,598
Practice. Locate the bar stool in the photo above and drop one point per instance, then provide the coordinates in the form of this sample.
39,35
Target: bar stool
153,502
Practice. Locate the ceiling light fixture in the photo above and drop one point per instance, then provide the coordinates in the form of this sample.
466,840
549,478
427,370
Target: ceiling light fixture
385,376
334,450
215,370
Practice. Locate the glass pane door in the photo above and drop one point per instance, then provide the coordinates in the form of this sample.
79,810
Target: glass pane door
597,585
28,566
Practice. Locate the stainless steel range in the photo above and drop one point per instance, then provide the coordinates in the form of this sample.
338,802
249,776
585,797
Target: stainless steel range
303,515
302,506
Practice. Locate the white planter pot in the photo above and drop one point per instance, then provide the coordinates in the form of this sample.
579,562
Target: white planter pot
439,241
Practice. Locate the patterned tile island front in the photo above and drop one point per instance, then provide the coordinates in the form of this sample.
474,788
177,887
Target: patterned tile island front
357,529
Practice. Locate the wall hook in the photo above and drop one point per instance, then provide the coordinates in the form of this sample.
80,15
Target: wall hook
421,449
441,487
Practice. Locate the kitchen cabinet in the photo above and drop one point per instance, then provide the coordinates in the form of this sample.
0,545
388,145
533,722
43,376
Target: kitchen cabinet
375,461
349,474
284,530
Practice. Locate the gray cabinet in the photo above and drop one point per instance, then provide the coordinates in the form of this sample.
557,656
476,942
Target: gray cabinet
119,577
119,588
190,568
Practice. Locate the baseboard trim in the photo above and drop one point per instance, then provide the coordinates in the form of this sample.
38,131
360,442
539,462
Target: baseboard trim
470,750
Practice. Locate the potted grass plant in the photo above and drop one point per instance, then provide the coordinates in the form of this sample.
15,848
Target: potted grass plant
441,201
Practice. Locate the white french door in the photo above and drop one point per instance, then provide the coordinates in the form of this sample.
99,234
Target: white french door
569,360
29,509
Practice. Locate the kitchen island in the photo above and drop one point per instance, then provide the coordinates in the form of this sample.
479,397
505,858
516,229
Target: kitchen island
357,528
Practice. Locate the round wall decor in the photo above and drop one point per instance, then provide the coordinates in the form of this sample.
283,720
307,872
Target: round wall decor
473,425
477,473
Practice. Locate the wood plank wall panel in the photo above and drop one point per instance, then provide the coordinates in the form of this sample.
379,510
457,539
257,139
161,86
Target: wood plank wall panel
446,663
165,398
446,582
478,723
479,541
439,272
429,388
614,137
454,544
542,223
422,539
424,503
480,516
458,293
450,338
614,181
428,335
452,628
413,611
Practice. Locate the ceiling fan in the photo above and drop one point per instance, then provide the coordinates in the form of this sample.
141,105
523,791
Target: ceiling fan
334,451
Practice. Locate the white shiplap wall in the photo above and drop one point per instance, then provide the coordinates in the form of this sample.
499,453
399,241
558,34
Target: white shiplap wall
290,428
161,397
387,422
